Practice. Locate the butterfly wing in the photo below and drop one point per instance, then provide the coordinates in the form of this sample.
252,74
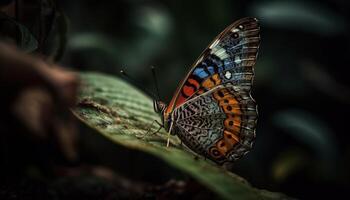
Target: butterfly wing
229,58
218,124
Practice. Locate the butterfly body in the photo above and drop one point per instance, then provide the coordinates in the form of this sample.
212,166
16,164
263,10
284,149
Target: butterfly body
212,111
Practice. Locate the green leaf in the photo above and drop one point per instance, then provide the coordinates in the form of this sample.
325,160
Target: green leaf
124,115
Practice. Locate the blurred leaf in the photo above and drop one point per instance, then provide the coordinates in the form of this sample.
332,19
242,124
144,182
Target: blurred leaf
93,41
280,75
153,20
309,130
11,29
57,36
123,114
151,28
288,163
298,15
27,43
324,82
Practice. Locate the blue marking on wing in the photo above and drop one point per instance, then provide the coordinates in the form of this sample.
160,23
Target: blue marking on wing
221,68
211,70
228,63
200,73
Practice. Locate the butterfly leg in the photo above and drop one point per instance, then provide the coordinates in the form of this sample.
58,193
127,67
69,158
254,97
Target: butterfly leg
150,127
160,127
169,133
168,141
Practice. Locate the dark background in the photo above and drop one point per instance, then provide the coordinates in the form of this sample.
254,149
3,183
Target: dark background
301,85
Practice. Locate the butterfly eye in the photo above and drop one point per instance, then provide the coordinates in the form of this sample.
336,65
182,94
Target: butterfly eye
159,106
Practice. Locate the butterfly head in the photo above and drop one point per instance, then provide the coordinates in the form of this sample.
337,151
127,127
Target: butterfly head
159,106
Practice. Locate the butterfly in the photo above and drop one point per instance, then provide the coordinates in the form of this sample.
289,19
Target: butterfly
212,110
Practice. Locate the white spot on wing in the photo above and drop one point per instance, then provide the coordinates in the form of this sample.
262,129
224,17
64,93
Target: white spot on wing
238,60
228,75
235,30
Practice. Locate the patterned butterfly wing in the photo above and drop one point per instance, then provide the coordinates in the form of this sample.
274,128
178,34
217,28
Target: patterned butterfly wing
229,58
218,124
212,111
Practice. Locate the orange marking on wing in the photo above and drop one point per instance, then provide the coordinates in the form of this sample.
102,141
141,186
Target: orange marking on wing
227,143
231,137
228,122
220,94
222,146
217,79
208,84
233,124
235,129
229,100
237,121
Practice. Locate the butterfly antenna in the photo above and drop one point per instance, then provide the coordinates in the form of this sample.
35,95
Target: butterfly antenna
136,83
155,81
